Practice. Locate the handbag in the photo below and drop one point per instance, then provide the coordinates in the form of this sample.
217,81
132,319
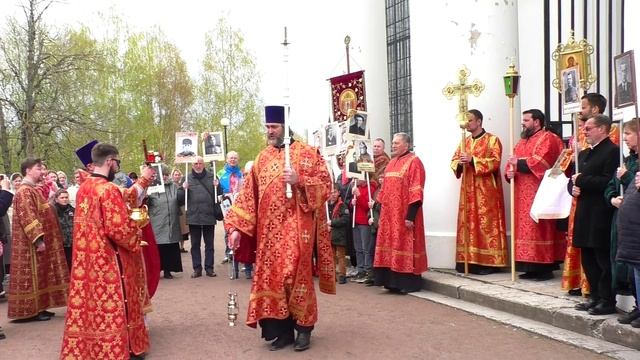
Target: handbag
217,211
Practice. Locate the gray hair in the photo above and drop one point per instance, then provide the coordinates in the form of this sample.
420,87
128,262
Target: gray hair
602,120
404,136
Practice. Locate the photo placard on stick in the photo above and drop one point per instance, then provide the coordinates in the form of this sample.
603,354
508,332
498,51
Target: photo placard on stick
212,146
351,163
570,90
318,140
331,138
186,147
157,185
625,74
358,126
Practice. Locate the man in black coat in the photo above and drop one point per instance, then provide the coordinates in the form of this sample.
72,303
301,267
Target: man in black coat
592,227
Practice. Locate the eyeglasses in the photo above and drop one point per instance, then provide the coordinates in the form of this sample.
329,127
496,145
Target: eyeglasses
116,160
589,128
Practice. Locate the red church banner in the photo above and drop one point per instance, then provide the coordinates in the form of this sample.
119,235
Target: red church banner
347,93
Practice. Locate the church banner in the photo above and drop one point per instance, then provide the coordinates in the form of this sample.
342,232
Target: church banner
348,93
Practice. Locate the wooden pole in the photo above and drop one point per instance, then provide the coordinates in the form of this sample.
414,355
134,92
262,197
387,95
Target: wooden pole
512,196
463,197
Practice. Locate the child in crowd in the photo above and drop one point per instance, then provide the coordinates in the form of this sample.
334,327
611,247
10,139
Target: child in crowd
65,217
339,225
362,230
375,206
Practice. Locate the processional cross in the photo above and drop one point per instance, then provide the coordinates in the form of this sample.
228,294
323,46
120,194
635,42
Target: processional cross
462,89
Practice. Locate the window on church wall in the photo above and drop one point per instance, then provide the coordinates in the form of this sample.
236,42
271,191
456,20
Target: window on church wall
399,66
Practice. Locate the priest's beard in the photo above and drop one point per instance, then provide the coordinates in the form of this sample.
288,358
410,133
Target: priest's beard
526,133
112,175
276,141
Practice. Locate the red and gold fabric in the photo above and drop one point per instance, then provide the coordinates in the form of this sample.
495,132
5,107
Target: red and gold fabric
481,216
399,248
536,242
106,295
39,280
150,253
348,94
286,232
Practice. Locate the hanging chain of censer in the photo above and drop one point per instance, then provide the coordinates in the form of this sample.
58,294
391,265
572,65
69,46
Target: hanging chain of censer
232,304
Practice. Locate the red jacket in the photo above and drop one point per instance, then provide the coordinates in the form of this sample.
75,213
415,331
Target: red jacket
362,204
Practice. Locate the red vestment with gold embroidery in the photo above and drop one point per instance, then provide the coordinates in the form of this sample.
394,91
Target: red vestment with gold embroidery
540,242
399,248
38,280
286,232
481,217
107,293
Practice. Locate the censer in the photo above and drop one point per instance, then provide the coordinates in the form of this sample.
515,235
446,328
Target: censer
232,304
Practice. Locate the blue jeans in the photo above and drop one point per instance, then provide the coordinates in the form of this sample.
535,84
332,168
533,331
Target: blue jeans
636,276
199,232
362,244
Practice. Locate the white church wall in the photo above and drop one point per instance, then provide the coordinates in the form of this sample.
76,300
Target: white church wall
444,36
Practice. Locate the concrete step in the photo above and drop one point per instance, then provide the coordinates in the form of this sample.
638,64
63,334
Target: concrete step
544,303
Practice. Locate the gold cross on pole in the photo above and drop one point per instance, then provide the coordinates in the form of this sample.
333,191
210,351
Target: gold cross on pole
462,89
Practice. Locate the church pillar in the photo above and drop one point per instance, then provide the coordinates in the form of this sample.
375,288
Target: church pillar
483,35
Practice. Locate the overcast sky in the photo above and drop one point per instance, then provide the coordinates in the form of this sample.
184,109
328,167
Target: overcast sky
185,22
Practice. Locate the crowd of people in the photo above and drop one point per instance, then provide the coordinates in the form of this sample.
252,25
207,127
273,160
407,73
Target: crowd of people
67,240
596,242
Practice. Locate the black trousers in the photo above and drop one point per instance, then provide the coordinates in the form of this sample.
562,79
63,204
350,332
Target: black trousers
199,233
596,263
273,328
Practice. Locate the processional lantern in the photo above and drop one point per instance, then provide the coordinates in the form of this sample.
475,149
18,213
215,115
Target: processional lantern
511,82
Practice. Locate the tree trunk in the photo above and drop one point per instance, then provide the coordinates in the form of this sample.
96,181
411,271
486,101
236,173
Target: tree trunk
4,144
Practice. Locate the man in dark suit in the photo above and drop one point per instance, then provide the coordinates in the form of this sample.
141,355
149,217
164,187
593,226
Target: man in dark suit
592,226
623,91
358,127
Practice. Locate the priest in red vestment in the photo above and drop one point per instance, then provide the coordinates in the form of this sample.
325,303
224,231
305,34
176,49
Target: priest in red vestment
539,247
400,256
39,273
287,231
106,297
481,219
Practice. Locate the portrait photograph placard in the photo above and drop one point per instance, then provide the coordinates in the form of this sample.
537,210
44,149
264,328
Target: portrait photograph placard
318,140
186,147
625,76
157,185
343,137
358,126
331,138
212,146
570,91
351,164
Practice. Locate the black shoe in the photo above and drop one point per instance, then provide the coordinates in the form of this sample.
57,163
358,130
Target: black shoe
303,341
527,275
585,306
196,274
2,335
282,341
225,260
211,273
602,309
136,357
167,275
39,317
630,317
575,292
543,276
248,276
48,313
636,323
342,279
